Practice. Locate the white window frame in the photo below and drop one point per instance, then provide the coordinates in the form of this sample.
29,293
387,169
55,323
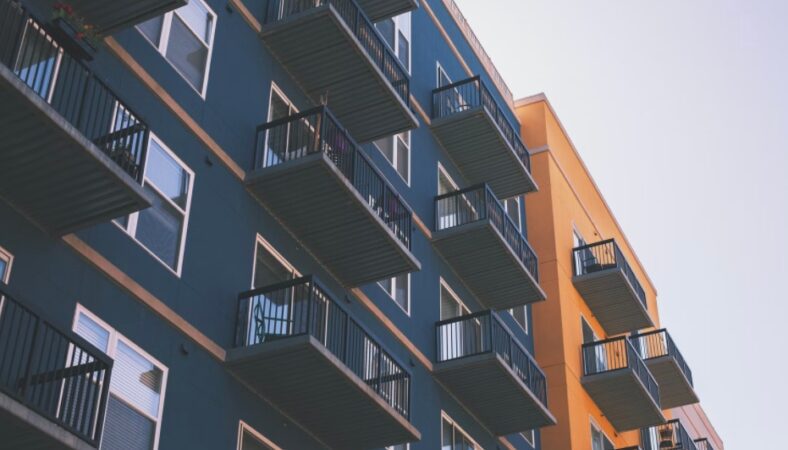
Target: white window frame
391,447
529,436
112,345
393,293
275,89
398,27
523,326
394,161
8,258
447,418
518,200
463,307
260,241
442,170
601,432
131,225
164,39
438,71
244,427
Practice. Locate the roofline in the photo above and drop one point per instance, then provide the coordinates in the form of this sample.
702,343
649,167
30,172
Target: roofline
541,97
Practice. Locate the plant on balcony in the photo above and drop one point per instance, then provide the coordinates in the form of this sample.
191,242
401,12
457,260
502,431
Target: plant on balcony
73,31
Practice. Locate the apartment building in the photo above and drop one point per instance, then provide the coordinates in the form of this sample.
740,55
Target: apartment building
263,224
616,378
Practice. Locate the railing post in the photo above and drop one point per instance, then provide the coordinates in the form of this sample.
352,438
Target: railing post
310,299
380,369
103,403
33,351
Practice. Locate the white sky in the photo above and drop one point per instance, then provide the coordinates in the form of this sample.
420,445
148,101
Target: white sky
680,110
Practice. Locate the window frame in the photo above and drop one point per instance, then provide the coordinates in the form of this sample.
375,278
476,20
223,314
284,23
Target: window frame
245,427
519,202
445,417
393,293
112,346
8,258
132,219
523,326
529,440
398,27
442,170
164,39
443,284
438,71
606,439
260,241
394,161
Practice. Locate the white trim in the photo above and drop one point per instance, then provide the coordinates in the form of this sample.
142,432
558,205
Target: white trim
532,440
444,284
112,345
275,89
438,70
394,161
524,326
596,426
261,242
399,28
518,200
443,170
245,427
6,256
447,418
393,293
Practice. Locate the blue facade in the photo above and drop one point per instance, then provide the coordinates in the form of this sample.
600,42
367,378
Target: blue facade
203,401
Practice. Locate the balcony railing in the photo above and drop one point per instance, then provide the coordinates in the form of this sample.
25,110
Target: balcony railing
703,444
656,344
477,203
483,332
361,27
316,131
29,50
54,373
302,307
473,93
670,436
605,255
615,354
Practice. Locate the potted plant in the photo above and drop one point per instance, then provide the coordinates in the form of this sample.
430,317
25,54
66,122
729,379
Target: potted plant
72,32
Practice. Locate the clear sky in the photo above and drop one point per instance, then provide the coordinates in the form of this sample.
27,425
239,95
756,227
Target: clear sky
680,110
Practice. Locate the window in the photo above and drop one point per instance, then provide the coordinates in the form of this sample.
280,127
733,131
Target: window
270,267
5,265
445,182
513,207
396,33
520,315
396,149
581,256
451,305
185,38
249,439
398,288
161,229
398,447
598,439
458,338
136,391
454,438
530,437
442,78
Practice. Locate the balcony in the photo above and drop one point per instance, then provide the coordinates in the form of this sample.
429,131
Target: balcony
111,16
310,174
53,384
335,53
669,436
486,249
703,444
496,378
300,350
610,288
665,362
71,152
378,10
621,384
479,138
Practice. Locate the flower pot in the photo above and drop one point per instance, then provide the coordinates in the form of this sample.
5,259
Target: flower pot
68,37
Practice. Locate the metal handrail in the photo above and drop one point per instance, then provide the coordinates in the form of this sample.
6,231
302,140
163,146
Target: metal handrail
318,131
658,343
672,436
605,255
472,93
611,355
477,203
303,307
703,444
484,332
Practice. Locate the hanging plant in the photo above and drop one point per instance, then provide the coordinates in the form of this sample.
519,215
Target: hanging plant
82,31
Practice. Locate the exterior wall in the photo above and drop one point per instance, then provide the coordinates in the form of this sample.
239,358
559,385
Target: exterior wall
187,321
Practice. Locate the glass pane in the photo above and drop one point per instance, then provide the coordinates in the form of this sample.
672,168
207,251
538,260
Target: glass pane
512,206
125,428
268,270
197,17
251,443
387,28
443,79
520,314
3,266
446,437
401,291
403,158
137,379
152,29
386,146
159,229
167,175
387,285
403,51
187,53
37,61
450,308
92,332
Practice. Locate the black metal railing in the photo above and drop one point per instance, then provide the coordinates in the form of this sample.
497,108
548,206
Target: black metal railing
476,203
703,444
484,332
302,307
361,27
317,130
605,255
668,436
473,93
615,354
658,343
29,50
55,373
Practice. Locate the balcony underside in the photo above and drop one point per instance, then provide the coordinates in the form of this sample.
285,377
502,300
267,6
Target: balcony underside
300,376
326,213
22,428
487,265
490,389
326,59
111,16
623,399
378,10
477,146
50,172
613,301
674,388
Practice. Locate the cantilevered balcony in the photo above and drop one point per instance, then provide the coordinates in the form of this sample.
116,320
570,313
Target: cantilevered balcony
486,249
378,10
610,288
71,151
621,384
310,174
703,444
479,138
496,378
669,436
111,16
53,384
334,52
665,362
300,350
